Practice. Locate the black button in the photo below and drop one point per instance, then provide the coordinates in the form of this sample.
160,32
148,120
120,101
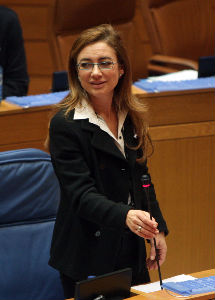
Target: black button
98,233
120,137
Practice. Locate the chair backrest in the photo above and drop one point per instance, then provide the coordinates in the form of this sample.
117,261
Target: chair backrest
181,31
29,199
181,28
69,18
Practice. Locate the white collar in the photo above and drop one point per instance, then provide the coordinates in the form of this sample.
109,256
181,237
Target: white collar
86,111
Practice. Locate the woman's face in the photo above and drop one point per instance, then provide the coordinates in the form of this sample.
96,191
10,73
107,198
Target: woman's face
98,80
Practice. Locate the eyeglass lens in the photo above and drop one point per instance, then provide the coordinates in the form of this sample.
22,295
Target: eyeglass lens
104,65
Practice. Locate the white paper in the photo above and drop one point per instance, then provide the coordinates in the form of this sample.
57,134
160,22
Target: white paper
176,76
155,286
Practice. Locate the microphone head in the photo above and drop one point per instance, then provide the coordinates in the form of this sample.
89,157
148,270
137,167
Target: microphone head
145,180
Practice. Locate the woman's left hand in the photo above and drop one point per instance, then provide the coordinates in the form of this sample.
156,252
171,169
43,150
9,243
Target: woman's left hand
162,250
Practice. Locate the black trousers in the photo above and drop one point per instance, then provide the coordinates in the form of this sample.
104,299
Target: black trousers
126,257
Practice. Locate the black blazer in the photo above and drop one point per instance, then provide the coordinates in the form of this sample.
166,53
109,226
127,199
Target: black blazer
95,180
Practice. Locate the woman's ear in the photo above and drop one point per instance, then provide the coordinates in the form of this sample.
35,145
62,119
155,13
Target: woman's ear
121,72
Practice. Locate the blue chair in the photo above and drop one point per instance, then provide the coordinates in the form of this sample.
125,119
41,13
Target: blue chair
29,198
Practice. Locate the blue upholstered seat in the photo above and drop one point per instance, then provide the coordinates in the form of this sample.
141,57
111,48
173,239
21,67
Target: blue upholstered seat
29,198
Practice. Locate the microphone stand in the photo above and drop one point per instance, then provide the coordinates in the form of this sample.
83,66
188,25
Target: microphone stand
146,185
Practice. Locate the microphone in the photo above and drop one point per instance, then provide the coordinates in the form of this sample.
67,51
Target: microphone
146,184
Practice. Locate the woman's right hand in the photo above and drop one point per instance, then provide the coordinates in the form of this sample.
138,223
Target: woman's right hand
139,222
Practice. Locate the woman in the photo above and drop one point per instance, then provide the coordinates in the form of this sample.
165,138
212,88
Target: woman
98,145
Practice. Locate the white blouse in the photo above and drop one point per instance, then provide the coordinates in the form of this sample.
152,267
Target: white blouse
86,111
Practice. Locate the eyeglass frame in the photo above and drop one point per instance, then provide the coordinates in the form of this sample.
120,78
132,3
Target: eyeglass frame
93,64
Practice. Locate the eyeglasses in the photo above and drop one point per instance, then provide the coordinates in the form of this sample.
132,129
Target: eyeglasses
104,65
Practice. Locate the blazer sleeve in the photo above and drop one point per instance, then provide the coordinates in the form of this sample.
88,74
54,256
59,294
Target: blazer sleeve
78,187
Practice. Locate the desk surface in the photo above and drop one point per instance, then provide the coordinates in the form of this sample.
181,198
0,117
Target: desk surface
6,107
173,107
163,295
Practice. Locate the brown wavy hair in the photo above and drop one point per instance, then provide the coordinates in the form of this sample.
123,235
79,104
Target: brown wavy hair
123,98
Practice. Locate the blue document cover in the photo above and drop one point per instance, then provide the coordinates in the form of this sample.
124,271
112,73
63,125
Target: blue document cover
192,287
152,86
38,100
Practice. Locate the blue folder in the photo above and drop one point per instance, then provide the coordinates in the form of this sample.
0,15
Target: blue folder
38,100
192,287
145,84
163,86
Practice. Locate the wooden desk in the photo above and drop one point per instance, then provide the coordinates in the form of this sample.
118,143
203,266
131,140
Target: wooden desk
182,168
5,107
163,295
23,127
27,127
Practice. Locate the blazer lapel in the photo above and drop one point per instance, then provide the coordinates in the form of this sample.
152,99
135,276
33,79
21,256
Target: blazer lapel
101,140
130,141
